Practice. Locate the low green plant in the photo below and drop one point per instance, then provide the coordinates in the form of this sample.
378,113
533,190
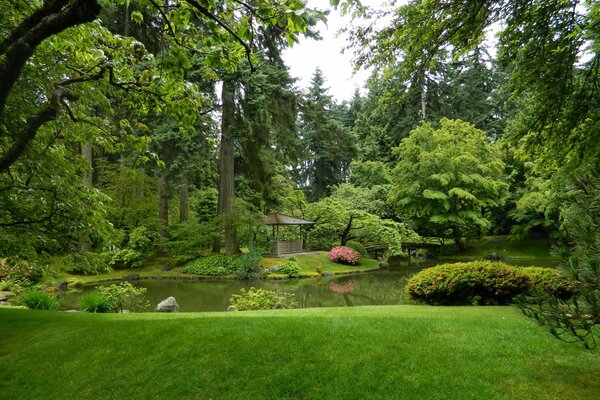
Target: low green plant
13,285
124,296
261,299
142,239
319,269
356,246
481,282
94,302
290,268
215,265
36,299
246,266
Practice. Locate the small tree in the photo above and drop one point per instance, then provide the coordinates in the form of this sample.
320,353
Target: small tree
446,178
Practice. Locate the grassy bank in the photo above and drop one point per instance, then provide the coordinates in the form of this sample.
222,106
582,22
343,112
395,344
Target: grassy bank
399,352
153,268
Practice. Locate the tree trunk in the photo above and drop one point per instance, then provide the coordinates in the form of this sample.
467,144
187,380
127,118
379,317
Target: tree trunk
346,234
163,212
226,169
183,197
424,99
458,238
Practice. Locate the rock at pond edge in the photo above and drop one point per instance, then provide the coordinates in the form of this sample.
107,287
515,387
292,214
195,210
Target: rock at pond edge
167,305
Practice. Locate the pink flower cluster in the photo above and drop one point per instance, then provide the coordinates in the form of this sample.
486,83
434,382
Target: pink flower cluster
344,255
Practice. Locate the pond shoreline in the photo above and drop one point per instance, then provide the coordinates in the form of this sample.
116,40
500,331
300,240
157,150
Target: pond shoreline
233,278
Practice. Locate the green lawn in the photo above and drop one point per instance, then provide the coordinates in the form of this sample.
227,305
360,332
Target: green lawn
387,352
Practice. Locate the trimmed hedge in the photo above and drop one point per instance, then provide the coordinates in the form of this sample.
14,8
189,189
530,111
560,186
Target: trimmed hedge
290,268
358,247
482,282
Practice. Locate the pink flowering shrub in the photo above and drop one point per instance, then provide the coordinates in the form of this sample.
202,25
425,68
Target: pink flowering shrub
344,255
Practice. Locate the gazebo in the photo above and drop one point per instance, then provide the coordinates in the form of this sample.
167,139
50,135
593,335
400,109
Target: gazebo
282,247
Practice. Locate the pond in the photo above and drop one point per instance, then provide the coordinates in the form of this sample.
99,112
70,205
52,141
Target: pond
384,287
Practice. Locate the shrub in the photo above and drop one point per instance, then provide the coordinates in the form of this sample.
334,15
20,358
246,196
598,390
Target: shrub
550,280
215,265
36,299
142,239
481,282
94,302
290,268
188,241
261,299
357,247
344,255
123,296
13,285
86,263
20,270
246,266
127,258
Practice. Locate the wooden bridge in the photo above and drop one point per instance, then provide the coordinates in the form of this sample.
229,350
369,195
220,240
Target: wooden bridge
376,249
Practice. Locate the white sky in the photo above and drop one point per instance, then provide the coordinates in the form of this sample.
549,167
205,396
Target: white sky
303,58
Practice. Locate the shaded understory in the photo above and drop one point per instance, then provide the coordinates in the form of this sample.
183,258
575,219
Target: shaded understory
401,352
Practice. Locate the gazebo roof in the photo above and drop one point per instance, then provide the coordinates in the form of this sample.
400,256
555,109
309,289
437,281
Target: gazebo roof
282,219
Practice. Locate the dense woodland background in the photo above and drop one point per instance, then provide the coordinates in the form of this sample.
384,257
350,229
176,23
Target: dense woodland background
141,127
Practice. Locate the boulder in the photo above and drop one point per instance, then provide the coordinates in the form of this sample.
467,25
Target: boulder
231,308
132,277
495,257
62,286
327,273
273,269
167,305
166,267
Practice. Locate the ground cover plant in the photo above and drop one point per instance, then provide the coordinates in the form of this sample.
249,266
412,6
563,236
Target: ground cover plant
483,282
400,352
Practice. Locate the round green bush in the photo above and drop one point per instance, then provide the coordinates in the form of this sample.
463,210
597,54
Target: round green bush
36,299
290,268
358,247
483,282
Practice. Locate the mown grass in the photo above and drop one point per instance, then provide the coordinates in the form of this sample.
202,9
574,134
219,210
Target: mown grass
387,352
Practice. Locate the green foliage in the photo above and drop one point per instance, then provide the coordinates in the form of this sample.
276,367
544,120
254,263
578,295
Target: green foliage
261,299
483,282
12,285
446,178
87,263
21,270
36,299
123,296
94,302
575,318
142,239
189,241
215,265
127,258
246,266
356,246
289,268
369,173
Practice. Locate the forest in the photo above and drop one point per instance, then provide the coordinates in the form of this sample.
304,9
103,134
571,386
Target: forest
130,129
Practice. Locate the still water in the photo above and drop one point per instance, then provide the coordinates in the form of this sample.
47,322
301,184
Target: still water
384,287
